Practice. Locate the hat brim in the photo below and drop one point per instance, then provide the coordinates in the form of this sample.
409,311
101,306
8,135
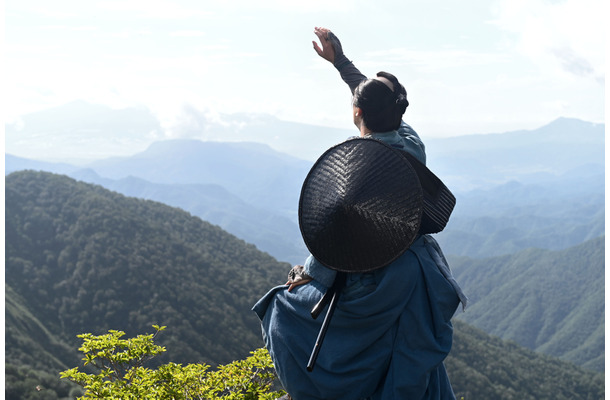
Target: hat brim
438,199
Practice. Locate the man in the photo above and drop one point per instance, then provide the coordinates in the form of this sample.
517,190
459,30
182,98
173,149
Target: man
363,216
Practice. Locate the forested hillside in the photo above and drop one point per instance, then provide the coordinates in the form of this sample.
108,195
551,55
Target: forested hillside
80,258
86,259
269,231
485,367
548,301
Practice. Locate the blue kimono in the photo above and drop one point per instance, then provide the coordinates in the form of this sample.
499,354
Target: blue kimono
389,334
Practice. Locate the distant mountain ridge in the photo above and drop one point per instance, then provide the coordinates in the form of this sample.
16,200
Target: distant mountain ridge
80,258
528,156
252,171
247,188
514,216
81,130
269,231
496,213
561,131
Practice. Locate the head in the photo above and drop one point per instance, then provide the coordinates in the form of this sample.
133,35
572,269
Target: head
380,103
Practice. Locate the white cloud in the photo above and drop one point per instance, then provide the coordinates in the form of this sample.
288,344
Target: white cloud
52,12
560,37
191,33
428,60
70,27
309,6
125,34
157,9
536,60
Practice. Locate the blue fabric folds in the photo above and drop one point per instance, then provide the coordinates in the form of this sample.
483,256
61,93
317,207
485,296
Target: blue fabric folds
387,339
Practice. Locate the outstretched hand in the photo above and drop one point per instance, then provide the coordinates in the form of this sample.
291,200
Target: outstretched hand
327,51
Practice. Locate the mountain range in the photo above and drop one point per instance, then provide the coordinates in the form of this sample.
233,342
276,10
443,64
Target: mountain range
514,190
515,216
565,148
80,258
86,132
246,188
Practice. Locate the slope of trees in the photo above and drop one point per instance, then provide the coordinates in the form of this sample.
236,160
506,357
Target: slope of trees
548,301
86,259
485,367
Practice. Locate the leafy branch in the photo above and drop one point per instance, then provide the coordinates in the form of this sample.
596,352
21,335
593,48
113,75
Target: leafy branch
121,374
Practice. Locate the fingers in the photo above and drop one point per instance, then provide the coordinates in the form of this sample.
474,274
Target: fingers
322,34
317,48
321,30
297,283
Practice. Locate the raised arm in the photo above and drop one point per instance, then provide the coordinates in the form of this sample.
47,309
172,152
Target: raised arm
331,51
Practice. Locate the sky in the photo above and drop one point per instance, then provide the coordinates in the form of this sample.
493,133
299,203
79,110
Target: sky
475,66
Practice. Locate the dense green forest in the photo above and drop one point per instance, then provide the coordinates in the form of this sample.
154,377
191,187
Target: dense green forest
86,258
486,367
548,301
80,258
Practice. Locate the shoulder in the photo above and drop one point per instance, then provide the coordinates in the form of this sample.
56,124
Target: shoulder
412,142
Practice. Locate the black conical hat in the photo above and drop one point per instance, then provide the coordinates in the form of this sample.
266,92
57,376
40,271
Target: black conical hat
361,206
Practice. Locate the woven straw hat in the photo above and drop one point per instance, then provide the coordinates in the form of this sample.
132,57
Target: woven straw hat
361,206
363,203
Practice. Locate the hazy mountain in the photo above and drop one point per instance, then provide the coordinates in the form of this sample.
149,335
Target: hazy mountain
80,130
526,156
13,163
514,190
540,188
246,188
548,301
80,258
252,171
514,216
269,231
